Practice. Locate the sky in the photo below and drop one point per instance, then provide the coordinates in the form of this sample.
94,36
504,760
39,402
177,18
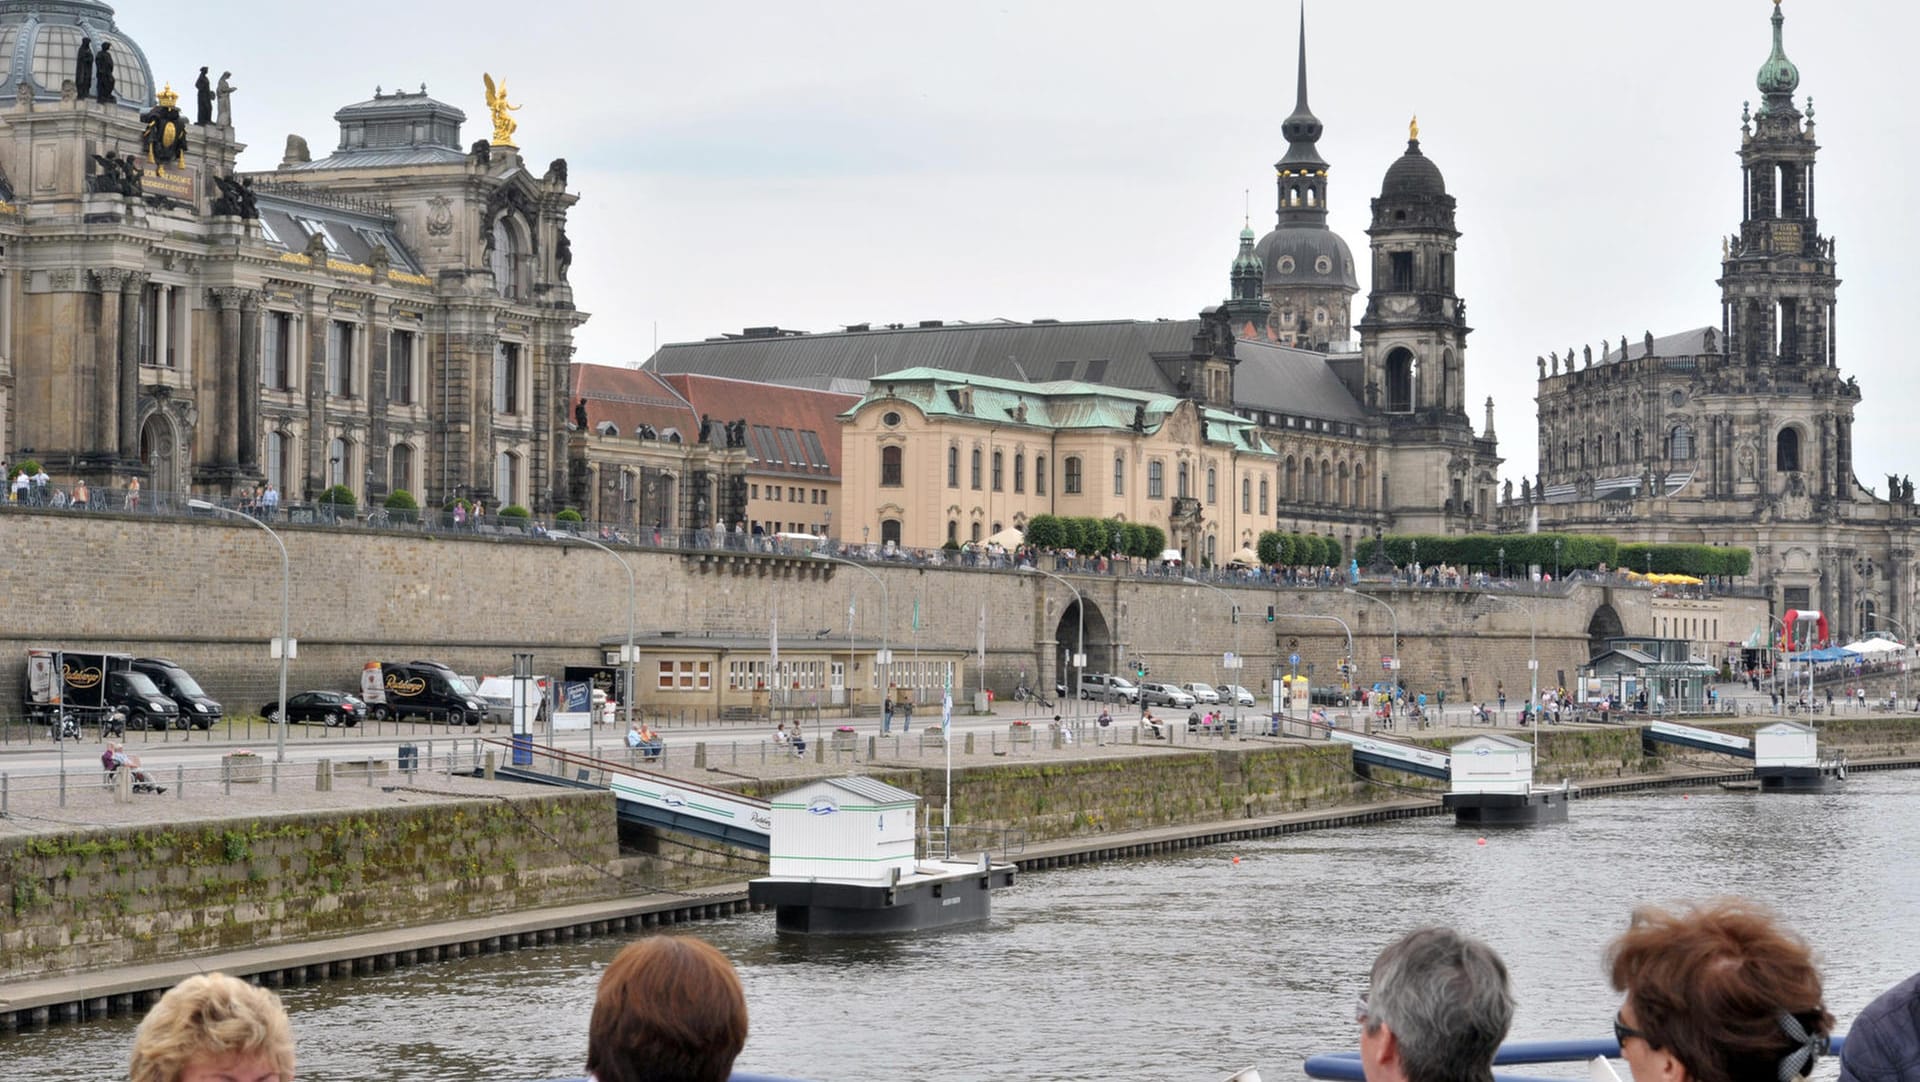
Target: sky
817,164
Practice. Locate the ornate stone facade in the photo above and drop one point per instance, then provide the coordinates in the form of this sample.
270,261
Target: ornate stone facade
393,316
1739,433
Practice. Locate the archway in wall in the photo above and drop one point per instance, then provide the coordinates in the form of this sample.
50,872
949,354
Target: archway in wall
1605,624
1066,635
1402,379
157,454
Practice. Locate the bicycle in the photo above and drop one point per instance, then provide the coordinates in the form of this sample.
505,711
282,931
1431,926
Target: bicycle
1022,693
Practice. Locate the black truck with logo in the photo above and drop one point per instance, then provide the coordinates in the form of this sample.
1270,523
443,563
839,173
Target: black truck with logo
419,689
87,685
199,709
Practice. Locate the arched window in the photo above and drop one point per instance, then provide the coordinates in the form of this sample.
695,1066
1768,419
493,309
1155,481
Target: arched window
506,482
976,463
1246,495
976,533
953,531
279,461
890,467
1289,481
1213,485
1156,479
1403,381
1019,471
1680,444
1786,451
890,531
1326,481
400,468
1263,495
339,462
505,262
1120,474
1184,488
1072,467
953,466
1039,475
999,471
1341,492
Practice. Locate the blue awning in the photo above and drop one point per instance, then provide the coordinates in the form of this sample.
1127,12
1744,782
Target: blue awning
1831,653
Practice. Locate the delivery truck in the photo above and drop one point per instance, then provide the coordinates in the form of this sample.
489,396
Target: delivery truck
87,686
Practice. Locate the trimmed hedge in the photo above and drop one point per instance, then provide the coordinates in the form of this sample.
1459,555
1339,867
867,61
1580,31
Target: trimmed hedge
1576,552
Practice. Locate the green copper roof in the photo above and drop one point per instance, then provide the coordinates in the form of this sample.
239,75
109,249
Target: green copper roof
1778,76
1055,405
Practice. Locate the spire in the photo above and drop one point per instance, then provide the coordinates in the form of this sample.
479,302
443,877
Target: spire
1302,172
1778,77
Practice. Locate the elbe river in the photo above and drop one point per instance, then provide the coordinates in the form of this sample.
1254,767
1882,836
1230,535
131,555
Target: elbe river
1180,967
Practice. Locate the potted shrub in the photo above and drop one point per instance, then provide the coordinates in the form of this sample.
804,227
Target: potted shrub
401,506
568,514
516,512
338,500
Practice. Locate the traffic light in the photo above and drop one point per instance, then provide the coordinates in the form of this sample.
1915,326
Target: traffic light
1270,614
1140,668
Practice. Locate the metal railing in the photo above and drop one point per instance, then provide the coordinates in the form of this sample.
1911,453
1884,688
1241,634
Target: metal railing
1345,1066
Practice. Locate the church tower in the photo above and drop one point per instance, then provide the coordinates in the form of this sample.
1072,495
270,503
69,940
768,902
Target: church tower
1308,270
1247,308
1413,343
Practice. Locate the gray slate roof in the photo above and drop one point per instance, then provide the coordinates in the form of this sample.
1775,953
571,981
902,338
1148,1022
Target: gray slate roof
355,233
1111,353
1684,344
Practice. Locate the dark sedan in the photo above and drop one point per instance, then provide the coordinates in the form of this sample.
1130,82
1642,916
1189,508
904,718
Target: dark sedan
331,708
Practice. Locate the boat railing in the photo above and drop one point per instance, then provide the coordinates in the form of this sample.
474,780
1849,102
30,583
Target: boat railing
1345,1066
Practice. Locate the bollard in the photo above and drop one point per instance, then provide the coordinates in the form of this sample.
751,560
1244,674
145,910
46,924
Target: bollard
969,743
123,785
323,776
872,742
700,755
3,795
63,783
180,783
733,747
819,749
226,775
1058,737
273,774
486,770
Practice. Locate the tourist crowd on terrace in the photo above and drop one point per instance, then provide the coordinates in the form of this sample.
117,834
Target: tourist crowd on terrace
1532,562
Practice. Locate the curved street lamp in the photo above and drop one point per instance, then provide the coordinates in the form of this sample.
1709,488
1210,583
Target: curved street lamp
1233,607
286,613
886,607
633,687
1393,674
1080,644
1533,660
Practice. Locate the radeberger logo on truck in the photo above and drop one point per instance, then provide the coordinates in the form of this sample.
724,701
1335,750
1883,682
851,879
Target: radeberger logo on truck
407,687
80,679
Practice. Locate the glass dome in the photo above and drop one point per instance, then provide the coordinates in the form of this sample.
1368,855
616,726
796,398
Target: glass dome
40,38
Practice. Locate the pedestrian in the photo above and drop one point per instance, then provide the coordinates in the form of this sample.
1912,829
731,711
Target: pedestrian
81,499
1883,1043
133,494
1436,1008
270,501
668,1007
459,514
213,1026
21,484
41,483
886,717
906,714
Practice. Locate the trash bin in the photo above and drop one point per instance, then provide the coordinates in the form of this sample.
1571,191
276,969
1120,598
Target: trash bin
409,758
523,749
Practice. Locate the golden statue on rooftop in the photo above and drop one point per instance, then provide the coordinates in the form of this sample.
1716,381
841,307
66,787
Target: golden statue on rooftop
503,123
1413,129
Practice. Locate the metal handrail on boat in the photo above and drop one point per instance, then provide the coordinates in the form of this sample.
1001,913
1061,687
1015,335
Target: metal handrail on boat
1345,1066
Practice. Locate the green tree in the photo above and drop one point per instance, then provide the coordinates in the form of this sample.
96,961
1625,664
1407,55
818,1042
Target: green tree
1046,532
338,497
1156,539
401,500
1269,547
1133,538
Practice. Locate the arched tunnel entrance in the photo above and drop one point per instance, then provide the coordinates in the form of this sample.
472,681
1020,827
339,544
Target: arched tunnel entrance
1066,635
1605,624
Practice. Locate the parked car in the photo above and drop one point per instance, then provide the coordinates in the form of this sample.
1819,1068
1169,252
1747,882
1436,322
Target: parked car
1234,693
1108,688
1166,695
331,708
197,708
1331,696
1202,693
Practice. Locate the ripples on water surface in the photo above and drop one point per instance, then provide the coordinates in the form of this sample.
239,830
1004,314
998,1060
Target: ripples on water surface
1181,967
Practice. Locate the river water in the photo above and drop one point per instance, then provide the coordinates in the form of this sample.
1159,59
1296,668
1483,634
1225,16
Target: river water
1179,967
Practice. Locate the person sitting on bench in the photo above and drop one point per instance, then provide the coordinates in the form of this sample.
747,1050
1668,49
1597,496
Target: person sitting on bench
116,757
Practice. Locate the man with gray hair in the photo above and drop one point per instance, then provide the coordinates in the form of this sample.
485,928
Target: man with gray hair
1437,1008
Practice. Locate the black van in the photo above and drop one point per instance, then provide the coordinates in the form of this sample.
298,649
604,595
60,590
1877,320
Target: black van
199,709
419,689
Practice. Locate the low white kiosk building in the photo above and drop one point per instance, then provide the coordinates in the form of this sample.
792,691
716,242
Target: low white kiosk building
1492,784
844,862
1786,756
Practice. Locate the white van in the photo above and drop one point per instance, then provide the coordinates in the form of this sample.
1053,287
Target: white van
794,544
497,693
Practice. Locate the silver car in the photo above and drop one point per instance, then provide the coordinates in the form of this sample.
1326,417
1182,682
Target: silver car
1166,695
1234,693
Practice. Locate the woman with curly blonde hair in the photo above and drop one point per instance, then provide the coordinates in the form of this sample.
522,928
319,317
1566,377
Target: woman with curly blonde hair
214,1028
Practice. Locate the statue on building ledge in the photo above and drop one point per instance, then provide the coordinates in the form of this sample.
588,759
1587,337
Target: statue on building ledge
83,70
119,175
203,99
503,123
224,94
165,137
235,198
103,81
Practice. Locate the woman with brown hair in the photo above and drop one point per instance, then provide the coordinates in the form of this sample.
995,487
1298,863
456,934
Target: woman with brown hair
1719,993
669,1009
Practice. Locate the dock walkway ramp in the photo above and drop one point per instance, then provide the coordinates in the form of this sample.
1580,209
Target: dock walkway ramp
649,797
1686,736
1370,750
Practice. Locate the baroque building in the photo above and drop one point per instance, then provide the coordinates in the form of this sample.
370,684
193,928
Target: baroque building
1364,436
1739,432
393,315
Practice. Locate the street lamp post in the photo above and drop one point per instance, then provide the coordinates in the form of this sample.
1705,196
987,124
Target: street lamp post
1080,642
1234,609
886,653
1533,660
1779,682
1556,559
1902,628
1315,616
1503,562
1393,678
631,658
286,614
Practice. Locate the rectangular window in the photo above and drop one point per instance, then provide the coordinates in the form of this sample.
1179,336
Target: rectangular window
976,469
768,450
340,379
754,491
506,378
1019,473
1072,480
1402,263
953,467
1156,480
999,471
276,353
816,451
400,368
1119,475
1039,475
790,448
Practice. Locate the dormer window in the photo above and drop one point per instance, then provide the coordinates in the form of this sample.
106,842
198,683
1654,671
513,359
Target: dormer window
316,228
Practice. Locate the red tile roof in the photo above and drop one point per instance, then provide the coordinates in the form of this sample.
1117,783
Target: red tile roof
630,397
776,407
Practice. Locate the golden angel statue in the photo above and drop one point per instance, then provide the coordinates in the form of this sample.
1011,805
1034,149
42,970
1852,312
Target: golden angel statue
503,123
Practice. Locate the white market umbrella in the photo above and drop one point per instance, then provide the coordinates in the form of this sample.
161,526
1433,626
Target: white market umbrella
1008,538
1245,556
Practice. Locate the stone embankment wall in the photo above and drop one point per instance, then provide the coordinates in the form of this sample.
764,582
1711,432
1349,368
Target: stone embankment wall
207,594
106,898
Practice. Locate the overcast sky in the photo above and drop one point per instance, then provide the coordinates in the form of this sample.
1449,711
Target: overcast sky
818,164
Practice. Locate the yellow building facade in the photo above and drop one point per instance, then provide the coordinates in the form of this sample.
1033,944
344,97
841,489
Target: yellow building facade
931,456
